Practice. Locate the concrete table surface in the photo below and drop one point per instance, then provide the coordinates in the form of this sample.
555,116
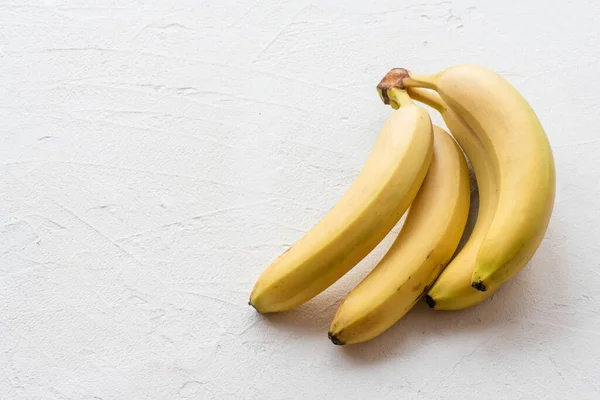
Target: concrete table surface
157,155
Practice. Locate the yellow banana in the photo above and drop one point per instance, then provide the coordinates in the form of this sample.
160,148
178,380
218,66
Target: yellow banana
453,290
520,151
381,194
427,240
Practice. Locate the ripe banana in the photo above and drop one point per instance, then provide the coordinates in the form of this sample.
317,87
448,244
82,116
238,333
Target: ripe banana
427,240
520,151
381,194
453,290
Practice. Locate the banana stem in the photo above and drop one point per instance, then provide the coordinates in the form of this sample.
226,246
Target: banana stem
428,97
420,81
391,90
394,85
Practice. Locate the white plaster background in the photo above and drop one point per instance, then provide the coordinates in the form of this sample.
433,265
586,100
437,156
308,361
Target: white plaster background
156,155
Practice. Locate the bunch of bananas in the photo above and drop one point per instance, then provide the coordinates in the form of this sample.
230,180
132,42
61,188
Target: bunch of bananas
418,165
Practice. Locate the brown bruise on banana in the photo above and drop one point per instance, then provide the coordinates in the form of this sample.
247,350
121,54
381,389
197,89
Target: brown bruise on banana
393,79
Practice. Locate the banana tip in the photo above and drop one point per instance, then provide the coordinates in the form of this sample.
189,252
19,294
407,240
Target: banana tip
252,305
430,301
479,285
334,339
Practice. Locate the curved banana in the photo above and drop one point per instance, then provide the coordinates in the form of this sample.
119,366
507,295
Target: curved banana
453,290
519,148
427,240
381,194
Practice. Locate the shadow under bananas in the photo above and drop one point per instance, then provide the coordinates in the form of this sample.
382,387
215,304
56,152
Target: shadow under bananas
519,300
423,328
535,288
310,319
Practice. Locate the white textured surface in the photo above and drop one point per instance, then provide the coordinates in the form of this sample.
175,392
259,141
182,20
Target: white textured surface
157,155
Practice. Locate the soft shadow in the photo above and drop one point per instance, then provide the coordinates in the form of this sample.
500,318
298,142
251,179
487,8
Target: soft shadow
312,318
420,325
473,212
514,302
395,341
